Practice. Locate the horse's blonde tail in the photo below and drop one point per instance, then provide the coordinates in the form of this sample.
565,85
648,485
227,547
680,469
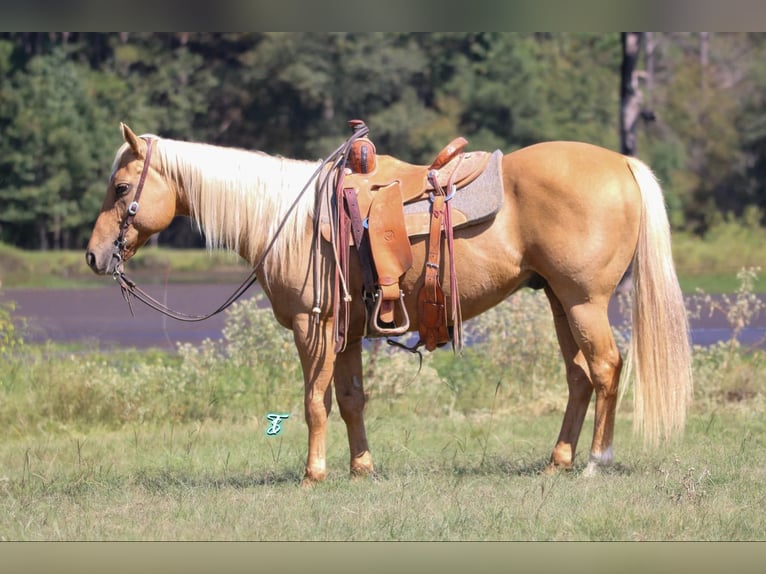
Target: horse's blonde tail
659,357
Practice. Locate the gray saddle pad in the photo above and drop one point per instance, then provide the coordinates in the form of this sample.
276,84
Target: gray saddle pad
478,201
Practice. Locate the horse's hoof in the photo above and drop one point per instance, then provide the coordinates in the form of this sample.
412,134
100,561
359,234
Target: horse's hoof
553,468
310,479
308,483
596,468
598,462
593,469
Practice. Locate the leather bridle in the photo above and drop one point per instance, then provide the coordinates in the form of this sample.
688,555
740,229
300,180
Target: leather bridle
130,289
119,244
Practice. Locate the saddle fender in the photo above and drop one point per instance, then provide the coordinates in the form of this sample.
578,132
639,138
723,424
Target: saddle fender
391,249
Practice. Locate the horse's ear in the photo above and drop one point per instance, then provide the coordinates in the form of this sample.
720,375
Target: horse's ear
137,145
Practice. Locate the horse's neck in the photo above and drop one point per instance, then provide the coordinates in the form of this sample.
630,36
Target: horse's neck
248,202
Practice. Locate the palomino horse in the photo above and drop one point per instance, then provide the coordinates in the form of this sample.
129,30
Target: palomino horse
573,218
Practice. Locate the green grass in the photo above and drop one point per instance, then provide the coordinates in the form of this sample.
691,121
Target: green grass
439,479
172,446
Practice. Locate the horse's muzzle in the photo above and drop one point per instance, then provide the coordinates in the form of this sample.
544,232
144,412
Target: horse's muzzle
90,259
99,265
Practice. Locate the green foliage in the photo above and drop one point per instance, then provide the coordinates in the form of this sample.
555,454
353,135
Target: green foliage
727,373
51,154
706,141
11,339
517,356
728,245
62,96
255,356
60,119
196,384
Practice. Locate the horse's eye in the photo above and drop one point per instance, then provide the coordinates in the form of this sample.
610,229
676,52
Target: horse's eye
121,189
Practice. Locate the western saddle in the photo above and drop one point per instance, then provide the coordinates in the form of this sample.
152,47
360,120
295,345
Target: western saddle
369,197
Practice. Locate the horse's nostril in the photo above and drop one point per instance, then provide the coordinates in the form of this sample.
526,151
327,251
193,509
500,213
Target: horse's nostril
90,258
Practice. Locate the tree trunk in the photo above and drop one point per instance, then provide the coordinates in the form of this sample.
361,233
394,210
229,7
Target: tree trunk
42,234
630,95
630,111
56,232
649,46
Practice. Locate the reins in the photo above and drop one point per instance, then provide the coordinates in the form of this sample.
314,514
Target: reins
130,289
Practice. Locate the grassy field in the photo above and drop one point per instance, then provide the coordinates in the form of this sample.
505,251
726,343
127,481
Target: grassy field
172,446
442,478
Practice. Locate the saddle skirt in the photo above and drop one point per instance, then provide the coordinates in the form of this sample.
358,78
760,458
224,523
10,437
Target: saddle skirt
478,195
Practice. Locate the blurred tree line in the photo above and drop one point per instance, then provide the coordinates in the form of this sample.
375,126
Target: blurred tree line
701,123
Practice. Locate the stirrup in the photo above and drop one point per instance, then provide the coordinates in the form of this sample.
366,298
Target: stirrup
400,330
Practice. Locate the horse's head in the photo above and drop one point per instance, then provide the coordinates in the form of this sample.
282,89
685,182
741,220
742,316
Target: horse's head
157,206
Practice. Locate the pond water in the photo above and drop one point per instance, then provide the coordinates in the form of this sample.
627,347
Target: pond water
100,317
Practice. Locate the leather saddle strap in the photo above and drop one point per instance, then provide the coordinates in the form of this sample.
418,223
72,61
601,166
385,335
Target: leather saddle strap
434,243
432,322
360,240
457,321
341,304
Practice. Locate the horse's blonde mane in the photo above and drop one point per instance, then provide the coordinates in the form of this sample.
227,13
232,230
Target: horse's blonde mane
240,198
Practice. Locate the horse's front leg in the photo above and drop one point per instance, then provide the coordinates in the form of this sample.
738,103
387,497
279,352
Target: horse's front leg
315,348
349,392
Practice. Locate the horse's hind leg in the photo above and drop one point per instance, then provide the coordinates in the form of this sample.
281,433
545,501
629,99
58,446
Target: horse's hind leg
579,383
349,392
593,334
